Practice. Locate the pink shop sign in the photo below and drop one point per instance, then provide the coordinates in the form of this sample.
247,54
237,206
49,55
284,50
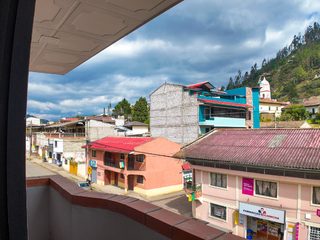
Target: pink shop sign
318,212
247,186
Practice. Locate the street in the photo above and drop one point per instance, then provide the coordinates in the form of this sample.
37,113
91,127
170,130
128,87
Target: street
33,170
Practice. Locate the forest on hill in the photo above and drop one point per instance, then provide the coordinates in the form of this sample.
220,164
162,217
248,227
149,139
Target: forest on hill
295,71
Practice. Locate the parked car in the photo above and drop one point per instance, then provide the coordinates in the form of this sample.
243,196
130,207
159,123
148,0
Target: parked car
83,184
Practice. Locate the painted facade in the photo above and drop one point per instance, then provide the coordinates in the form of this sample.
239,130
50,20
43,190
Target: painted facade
142,165
182,113
275,195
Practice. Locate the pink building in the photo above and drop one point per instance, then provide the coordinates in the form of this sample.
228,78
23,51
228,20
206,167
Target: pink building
143,165
262,181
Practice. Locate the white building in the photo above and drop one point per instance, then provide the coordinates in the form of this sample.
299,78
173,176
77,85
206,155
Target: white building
265,89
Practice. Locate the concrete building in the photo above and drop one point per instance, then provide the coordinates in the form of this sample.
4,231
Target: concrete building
265,91
33,120
270,109
312,107
136,128
183,113
264,181
143,165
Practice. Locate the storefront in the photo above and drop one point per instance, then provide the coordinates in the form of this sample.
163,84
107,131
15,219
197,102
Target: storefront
264,223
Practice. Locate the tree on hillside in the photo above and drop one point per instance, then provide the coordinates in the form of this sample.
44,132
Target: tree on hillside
291,90
238,79
295,113
230,84
140,112
123,108
300,75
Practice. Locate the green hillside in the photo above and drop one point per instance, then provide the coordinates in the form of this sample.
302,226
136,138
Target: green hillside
293,70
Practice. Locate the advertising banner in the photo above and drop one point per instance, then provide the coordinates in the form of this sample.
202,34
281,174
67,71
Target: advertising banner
269,214
247,186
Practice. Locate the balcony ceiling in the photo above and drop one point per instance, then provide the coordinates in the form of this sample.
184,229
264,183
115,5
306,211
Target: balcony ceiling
66,33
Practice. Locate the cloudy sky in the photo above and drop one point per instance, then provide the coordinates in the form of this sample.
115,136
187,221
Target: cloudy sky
195,41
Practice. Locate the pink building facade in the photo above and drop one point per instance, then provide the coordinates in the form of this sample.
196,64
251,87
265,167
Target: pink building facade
271,194
143,165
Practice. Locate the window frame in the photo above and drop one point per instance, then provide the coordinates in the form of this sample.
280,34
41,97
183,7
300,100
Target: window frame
122,157
138,161
94,153
228,112
312,191
207,116
214,186
142,179
264,196
121,176
217,217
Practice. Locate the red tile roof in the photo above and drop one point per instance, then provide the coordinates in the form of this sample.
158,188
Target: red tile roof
311,103
265,100
288,148
284,124
225,103
199,85
118,144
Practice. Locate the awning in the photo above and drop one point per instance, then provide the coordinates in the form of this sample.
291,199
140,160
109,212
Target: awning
186,166
226,103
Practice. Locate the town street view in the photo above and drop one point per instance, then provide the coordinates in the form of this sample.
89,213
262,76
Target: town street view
160,119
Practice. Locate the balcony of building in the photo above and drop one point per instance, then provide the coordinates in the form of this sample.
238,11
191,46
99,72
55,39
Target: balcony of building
64,135
59,209
131,163
190,187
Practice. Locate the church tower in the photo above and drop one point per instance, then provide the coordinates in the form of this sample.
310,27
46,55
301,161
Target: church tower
265,89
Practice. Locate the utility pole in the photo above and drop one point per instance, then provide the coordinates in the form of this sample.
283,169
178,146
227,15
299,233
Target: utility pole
87,143
30,139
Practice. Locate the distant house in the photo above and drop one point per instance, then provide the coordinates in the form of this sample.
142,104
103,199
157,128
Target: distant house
312,107
317,75
182,113
269,108
285,124
33,120
143,165
136,128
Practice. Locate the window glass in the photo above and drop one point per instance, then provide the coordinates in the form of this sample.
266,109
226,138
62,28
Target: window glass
316,195
140,179
140,158
122,156
218,211
93,153
218,180
121,176
265,188
227,112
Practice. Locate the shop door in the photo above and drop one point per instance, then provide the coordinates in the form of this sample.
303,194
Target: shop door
107,177
94,175
130,182
73,167
107,158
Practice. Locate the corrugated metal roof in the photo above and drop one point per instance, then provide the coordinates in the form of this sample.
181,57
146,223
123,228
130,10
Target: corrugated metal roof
226,103
289,148
118,144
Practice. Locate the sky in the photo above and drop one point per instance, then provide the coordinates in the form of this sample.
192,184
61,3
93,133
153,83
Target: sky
195,41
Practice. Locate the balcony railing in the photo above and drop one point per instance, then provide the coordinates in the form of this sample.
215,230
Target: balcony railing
196,188
65,135
111,163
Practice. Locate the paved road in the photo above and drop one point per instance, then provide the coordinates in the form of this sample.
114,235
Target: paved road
33,170
179,204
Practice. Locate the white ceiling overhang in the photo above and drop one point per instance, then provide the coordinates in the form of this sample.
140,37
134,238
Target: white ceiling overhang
66,33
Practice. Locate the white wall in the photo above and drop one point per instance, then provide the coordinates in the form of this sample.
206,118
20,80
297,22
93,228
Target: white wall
33,120
98,130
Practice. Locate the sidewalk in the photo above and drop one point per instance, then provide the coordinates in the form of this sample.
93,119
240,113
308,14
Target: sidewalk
108,188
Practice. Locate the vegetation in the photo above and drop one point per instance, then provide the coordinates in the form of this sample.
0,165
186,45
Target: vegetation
140,112
292,71
123,108
294,113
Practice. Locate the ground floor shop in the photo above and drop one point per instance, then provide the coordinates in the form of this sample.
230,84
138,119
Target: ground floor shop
262,223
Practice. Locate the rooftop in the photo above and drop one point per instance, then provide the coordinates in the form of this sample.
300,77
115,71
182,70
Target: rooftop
118,144
283,124
225,103
311,103
285,148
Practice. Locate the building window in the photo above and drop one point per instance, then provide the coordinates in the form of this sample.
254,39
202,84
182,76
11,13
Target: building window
140,158
140,179
263,95
265,188
121,176
314,233
206,113
93,153
122,156
218,211
218,180
228,112
207,130
316,195
55,144
269,108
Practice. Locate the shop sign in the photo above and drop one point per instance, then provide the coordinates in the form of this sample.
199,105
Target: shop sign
93,163
318,212
247,186
269,214
297,232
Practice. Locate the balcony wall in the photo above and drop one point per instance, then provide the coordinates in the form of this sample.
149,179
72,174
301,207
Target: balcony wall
59,209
